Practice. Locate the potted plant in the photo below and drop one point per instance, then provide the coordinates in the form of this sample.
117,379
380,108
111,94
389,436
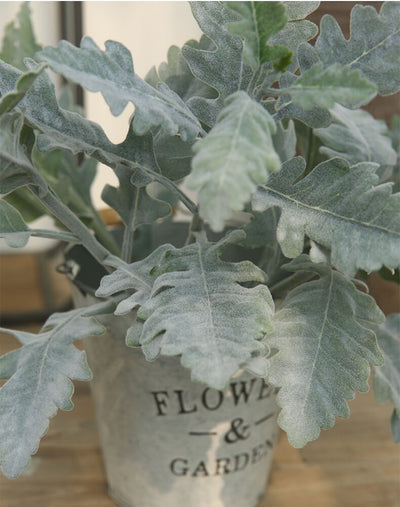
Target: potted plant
248,287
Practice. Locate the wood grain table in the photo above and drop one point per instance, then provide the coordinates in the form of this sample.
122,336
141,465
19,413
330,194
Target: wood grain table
355,464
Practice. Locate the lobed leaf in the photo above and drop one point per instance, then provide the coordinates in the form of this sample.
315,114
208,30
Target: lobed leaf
322,87
9,100
357,137
331,204
259,21
176,73
133,204
322,334
373,47
39,383
297,29
236,155
138,277
12,226
60,128
16,169
217,59
386,378
200,310
111,73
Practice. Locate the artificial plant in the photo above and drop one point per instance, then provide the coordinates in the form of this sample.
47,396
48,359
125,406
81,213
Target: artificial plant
293,186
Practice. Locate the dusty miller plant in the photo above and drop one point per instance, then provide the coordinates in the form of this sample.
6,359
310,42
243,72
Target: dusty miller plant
295,195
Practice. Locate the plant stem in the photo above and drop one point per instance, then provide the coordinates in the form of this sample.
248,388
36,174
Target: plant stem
310,151
59,235
196,225
72,223
129,232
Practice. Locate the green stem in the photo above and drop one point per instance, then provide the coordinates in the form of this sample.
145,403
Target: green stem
310,151
129,232
196,225
59,235
72,223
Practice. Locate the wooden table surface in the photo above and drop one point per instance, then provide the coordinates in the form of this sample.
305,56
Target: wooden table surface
355,464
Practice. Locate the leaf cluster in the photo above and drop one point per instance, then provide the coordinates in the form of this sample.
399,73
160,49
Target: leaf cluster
294,192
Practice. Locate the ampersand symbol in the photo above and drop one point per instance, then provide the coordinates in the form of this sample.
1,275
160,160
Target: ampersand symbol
238,431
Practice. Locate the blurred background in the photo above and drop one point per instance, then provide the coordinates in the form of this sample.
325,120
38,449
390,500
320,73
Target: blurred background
147,29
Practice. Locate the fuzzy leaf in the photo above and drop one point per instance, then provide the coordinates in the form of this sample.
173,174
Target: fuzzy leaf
133,204
259,21
16,170
9,100
296,30
324,347
176,73
200,310
322,87
111,73
40,383
358,137
331,204
386,378
236,155
285,141
373,48
63,129
284,107
173,156
12,226
138,277
261,234
216,60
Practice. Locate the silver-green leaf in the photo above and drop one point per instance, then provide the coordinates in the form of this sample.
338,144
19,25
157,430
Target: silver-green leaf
16,169
133,204
12,226
201,310
297,29
111,73
258,22
217,59
322,87
236,155
9,100
322,334
331,204
358,137
373,48
386,378
137,278
39,383
60,128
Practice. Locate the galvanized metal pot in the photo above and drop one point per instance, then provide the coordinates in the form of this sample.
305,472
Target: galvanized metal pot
167,441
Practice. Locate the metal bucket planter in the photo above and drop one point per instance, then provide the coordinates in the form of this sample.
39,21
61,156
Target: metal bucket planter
170,442
167,441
